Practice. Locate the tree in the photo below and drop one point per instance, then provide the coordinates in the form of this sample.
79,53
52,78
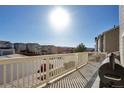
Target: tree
80,48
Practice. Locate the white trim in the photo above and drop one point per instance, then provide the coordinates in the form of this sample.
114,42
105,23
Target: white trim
122,34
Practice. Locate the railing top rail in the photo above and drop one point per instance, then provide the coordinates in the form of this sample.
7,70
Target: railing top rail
32,58
52,55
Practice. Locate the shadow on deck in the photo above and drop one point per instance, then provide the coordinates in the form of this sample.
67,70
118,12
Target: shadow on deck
84,77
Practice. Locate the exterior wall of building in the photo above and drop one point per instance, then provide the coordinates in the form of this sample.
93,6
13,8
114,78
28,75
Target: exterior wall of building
108,41
19,47
122,34
6,52
44,50
49,49
6,45
36,49
33,48
111,40
100,43
6,48
96,45
54,50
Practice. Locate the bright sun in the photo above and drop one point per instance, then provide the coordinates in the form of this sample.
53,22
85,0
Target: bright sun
59,18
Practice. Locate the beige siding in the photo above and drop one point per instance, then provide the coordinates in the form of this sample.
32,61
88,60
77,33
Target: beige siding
111,40
108,41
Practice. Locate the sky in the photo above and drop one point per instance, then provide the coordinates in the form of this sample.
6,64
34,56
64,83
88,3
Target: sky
32,24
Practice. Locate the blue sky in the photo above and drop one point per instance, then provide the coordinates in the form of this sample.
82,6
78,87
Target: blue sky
31,24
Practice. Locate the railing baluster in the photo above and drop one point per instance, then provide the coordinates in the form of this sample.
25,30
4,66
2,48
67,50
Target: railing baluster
36,65
61,70
32,63
40,66
17,73
77,60
51,70
61,63
23,79
56,65
34,72
11,73
59,67
28,73
53,67
4,75
43,71
47,70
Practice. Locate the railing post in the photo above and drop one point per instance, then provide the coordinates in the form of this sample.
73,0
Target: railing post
77,60
47,70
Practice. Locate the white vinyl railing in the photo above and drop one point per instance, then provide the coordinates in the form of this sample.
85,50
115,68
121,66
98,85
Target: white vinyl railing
37,70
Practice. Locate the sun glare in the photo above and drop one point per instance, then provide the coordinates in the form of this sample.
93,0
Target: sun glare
59,18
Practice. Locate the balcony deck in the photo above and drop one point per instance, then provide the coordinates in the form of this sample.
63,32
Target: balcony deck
74,70
81,78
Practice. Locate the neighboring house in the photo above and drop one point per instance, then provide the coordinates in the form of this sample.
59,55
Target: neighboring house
48,49
20,48
27,48
51,49
6,48
34,48
108,41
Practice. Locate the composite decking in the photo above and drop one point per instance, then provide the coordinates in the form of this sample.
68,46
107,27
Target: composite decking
81,78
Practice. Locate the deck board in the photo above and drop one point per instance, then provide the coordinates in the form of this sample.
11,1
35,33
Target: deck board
77,79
